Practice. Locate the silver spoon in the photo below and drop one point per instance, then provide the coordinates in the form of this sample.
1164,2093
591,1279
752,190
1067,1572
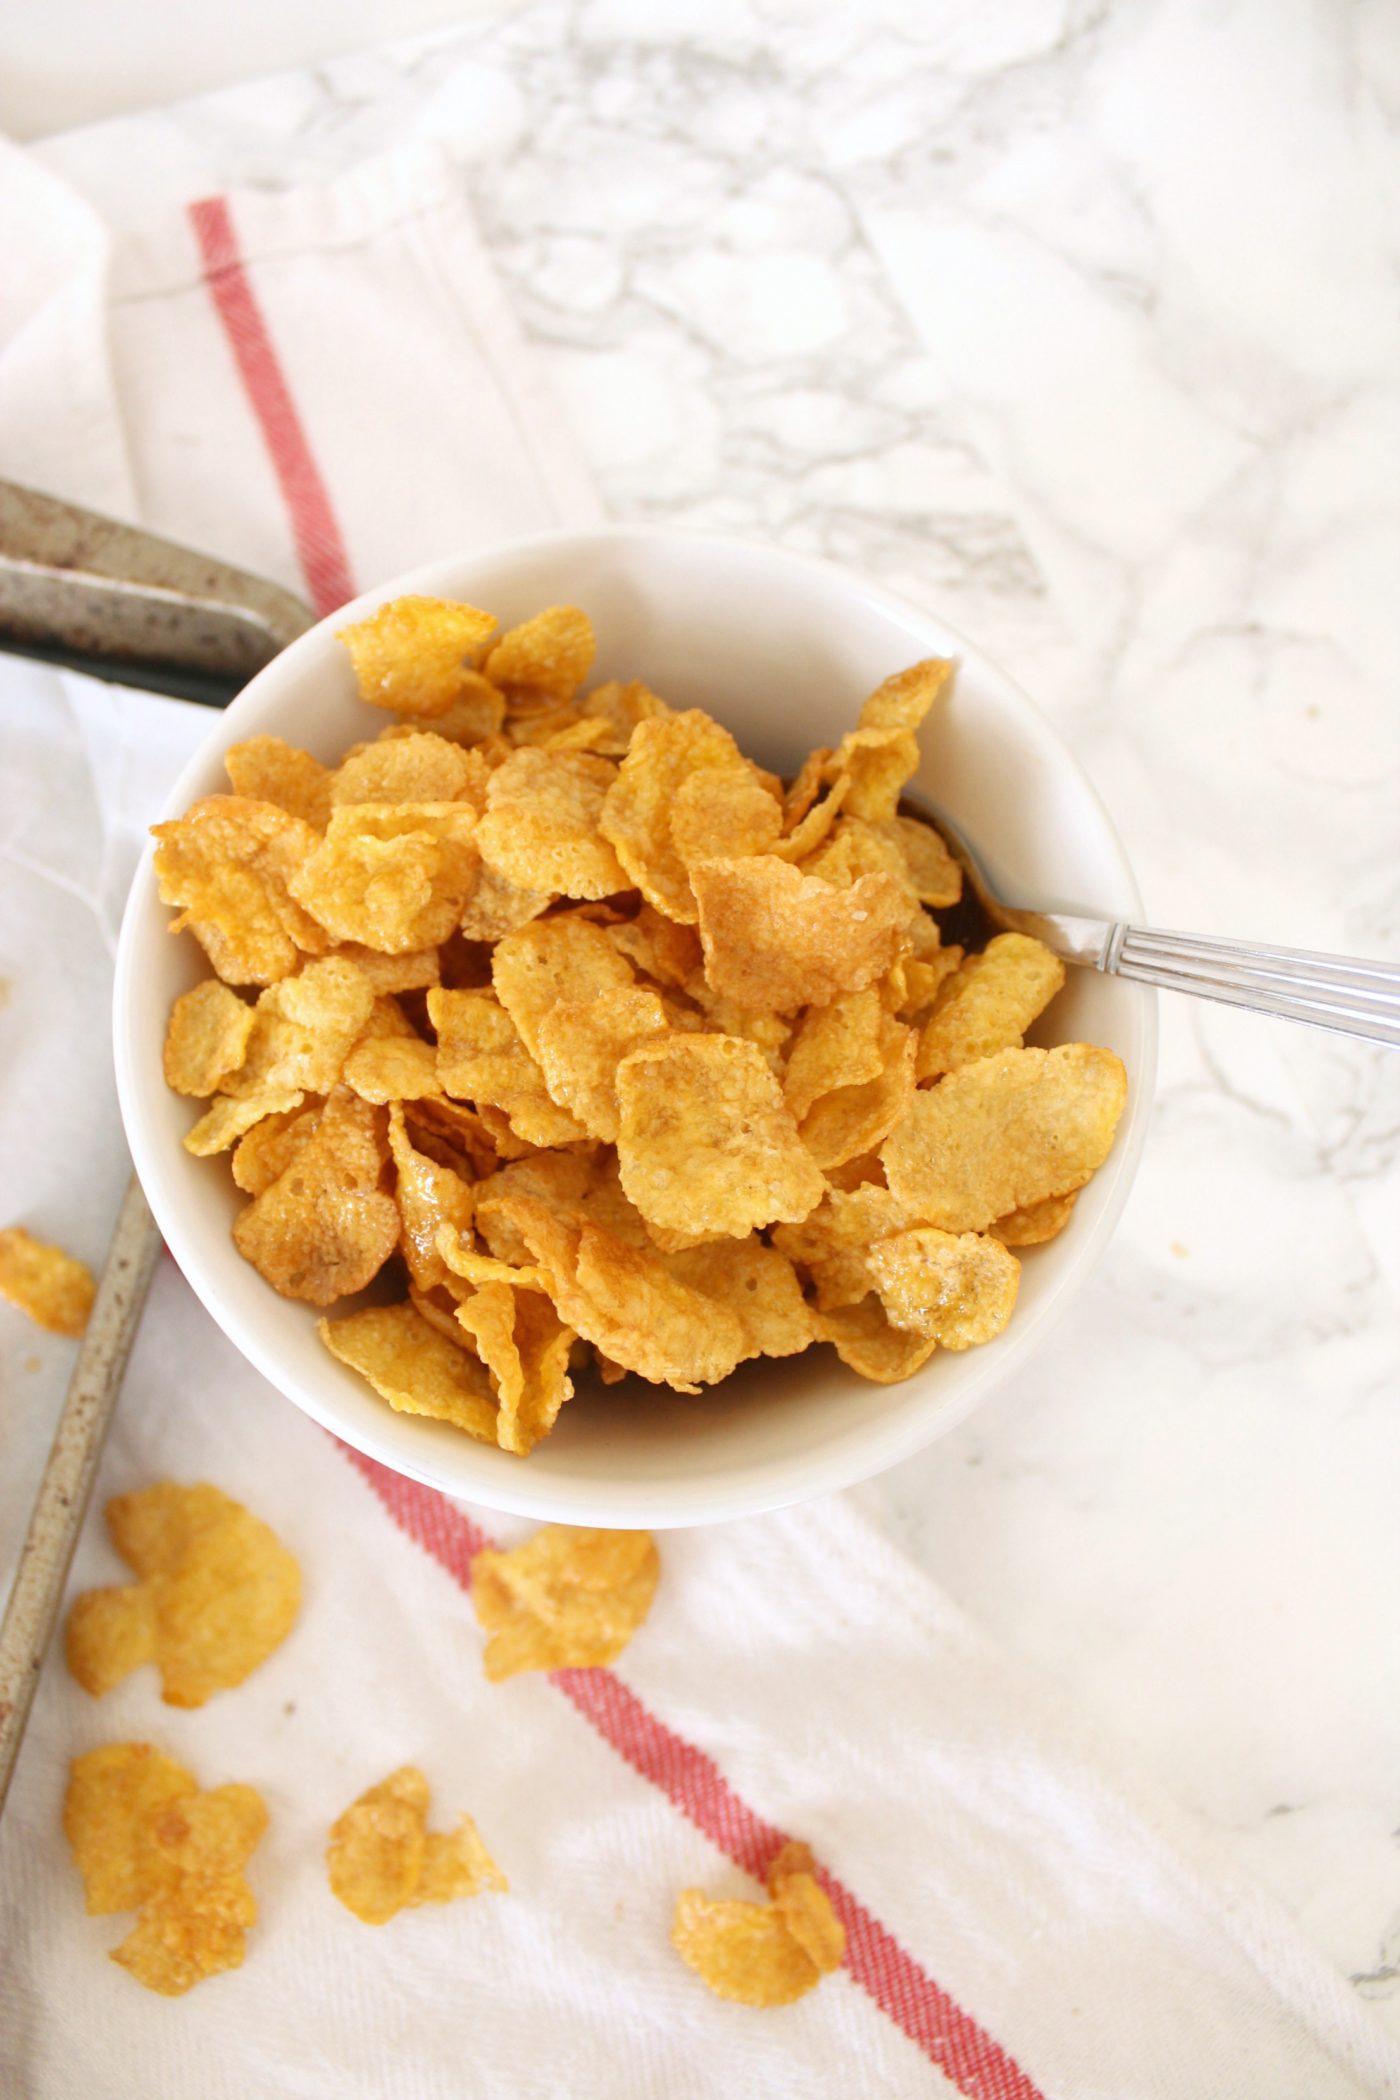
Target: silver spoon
1350,997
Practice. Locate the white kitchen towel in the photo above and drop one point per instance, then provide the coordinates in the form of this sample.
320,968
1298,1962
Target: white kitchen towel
329,387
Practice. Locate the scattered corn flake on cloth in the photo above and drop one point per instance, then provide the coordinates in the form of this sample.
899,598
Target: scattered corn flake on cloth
1019,1919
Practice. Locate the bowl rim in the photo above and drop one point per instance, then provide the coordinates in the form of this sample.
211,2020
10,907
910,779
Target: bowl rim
766,1484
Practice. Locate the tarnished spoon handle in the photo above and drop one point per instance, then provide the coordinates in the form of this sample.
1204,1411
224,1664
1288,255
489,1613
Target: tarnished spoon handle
1349,996
63,1495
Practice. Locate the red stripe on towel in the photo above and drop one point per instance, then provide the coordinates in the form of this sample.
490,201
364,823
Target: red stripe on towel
320,547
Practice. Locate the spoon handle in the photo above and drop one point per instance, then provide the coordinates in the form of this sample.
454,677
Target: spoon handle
1351,997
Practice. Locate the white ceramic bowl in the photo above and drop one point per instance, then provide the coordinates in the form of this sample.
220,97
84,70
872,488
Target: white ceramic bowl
782,650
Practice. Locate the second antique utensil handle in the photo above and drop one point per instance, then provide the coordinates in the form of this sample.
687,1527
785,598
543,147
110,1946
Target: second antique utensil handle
1351,997
63,1493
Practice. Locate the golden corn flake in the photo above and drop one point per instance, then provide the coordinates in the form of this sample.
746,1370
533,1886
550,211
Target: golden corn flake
775,939
803,839
495,907
472,1266
566,957
412,971
146,1839
755,1284
430,1197
706,1145
619,708
1005,1133
216,1593
415,655
1037,1223
568,1599
852,1120
229,862
419,767
664,753
913,983
660,948
266,769
722,812
625,1298
268,1149
581,1042
881,754
304,1029
869,1345
958,1287
989,1003
226,1121
475,717
540,831
392,876
207,1038
545,658
395,1069
762,1953
382,1858
415,1366
525,1347
834,1046
936,876
482,1059
325,1228
806,1907
52,1287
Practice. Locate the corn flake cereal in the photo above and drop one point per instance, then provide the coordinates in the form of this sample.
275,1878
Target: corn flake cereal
568,1599
216,1593
776,939
762,1953
383,1859
988,1004
146,1839
325,1227
53,1288
851,1120
1037,1223
266,769
207,1039
540,830
1004,1133
616,1052
417,1367
958,1287
393,876
581,1043
706,1145
666,751
415,654
525,1346
545,658
419,767
229,862
482,1058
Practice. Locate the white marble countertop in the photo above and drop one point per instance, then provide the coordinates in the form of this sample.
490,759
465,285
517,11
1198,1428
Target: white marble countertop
1080,324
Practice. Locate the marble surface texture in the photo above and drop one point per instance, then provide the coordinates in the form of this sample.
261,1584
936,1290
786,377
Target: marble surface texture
1079,323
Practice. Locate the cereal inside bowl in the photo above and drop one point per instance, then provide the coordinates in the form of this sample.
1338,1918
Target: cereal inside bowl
552,1039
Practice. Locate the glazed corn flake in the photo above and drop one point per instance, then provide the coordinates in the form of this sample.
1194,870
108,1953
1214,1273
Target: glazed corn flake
597,1049
568,1599
55,1289
216,1593
762,1954
146,1839
382,1858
